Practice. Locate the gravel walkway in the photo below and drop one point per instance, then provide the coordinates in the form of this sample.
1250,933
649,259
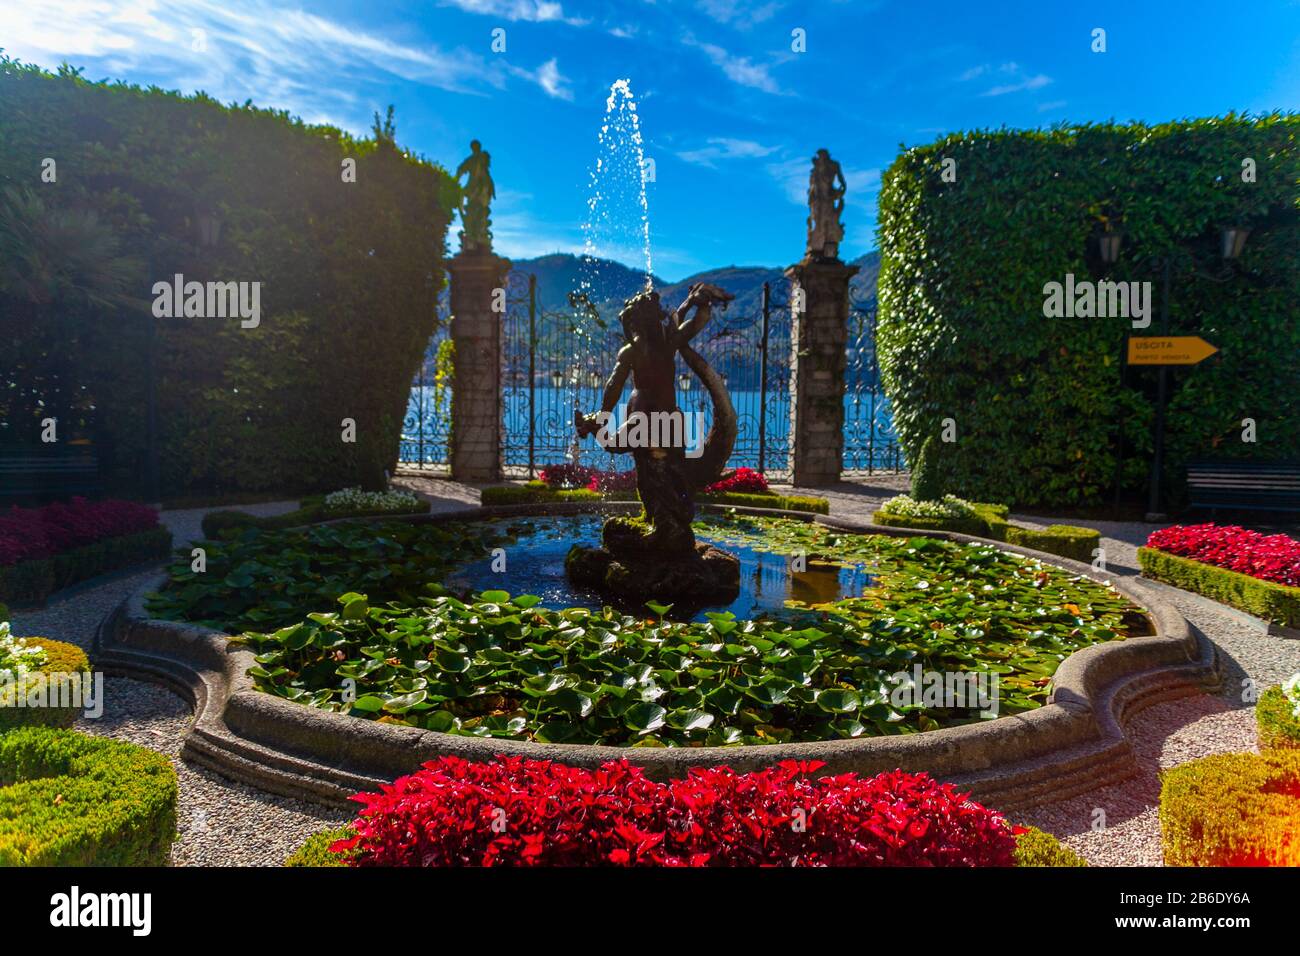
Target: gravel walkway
225,823
222,823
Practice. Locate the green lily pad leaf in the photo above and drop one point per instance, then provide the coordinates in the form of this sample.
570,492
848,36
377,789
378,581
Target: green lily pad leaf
644,717
838,701
368,704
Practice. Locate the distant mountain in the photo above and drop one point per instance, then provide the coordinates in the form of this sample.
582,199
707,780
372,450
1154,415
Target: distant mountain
613,282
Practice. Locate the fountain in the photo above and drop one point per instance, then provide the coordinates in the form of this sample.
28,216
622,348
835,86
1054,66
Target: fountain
655,555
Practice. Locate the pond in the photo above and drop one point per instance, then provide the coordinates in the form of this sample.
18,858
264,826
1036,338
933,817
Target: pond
534,564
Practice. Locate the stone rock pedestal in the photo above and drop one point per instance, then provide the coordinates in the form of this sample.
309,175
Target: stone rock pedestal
476,385
818,340
631,567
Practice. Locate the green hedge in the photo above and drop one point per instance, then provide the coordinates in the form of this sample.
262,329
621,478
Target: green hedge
316,851
68,799
1038,402
535,491
30,582
1273,602
350,273
61,658
1276,722
1036,848
311,510
1232,810
990,521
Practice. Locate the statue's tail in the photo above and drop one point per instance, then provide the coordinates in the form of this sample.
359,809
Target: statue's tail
721,440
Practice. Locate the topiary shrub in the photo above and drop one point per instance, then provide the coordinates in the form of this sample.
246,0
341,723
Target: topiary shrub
1063,539
1276,721
1232,810
315,852
57,659
1036,848
1043,404
248,409
68,799
1278,603
926,483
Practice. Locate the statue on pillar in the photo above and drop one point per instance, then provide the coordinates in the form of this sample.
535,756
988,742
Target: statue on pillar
476,195
826,188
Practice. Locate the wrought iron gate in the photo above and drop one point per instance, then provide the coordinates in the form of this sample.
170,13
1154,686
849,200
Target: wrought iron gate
870,443
427,426
553,361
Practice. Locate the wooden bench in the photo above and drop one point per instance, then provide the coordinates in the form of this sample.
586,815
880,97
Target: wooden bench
1244,485
53,473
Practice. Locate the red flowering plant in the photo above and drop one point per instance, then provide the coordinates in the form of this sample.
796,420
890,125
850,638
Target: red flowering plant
566,475
745,480
1270,557
517,812
62,526
612,481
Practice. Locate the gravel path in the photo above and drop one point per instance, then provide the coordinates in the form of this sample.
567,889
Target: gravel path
225,823
222,823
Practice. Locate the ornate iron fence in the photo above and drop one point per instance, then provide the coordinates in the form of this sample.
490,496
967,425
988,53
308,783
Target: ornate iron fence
870,443
556,359
427,426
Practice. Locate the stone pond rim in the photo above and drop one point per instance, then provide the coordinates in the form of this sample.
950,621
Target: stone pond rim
1074,743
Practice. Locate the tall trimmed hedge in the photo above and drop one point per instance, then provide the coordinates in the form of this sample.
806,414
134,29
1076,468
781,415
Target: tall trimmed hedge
1039,403
350,273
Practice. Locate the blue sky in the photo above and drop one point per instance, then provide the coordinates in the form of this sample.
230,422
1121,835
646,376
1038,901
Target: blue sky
730,113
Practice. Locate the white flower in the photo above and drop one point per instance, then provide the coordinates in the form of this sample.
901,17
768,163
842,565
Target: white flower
354,499
905,506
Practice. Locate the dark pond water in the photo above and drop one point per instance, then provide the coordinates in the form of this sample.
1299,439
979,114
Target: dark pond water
535,565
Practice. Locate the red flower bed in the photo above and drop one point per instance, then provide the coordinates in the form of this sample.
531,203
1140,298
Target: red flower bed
1270,557
612,481
517,812
52,529
566,476
745,480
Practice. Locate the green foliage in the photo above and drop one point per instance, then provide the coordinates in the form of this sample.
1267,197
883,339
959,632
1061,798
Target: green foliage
267,579
1232,810
1267,599
350,274
1066,540
61,659
68,799
536,491
32,581
316,850
1036,848
503,667
927,485
1039,401
310,510
990,521
1276,721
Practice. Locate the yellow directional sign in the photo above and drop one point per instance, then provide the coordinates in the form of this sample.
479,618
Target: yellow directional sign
1168,350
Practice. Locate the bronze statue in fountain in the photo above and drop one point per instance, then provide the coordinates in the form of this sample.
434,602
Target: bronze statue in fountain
655,556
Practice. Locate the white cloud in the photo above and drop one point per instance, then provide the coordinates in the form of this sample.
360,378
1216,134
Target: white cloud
1035,82
549,78
529,11
738,13
323,69
739,69
1048,107
723,147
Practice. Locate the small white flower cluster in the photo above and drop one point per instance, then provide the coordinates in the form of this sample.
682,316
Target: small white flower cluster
17,657
354,499
1291,688
905,506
